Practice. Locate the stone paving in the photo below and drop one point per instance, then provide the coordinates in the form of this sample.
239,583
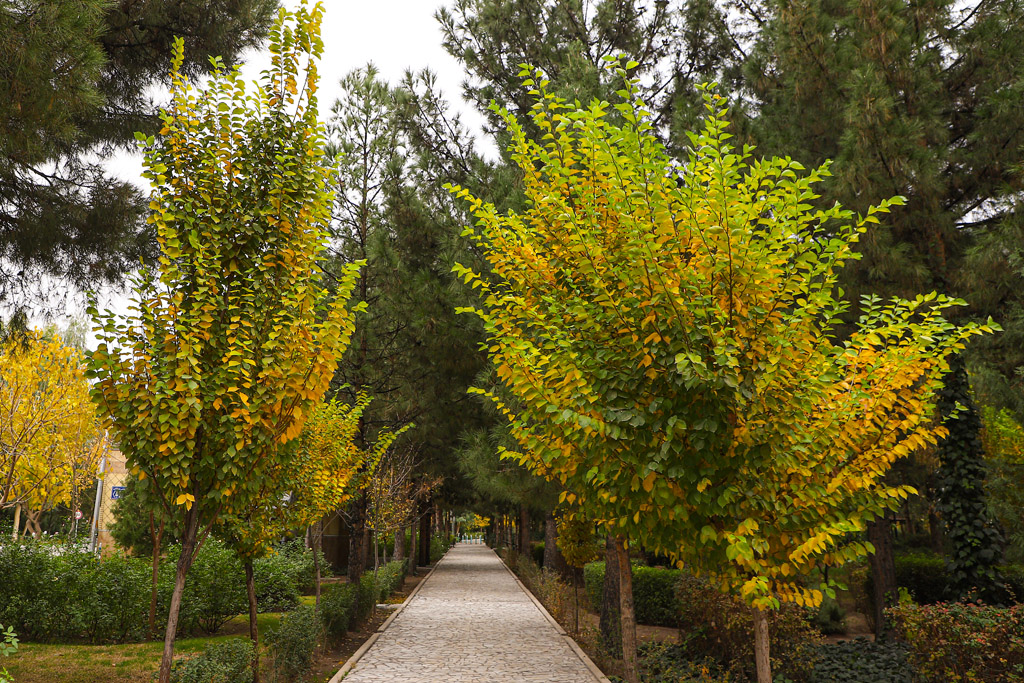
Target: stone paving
470,622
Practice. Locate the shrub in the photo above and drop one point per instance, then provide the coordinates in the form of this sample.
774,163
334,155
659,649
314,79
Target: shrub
721,627
276,579
214,592
962,642
829,617
337,609
60,593
439,545
862,661
300,561
654,592
293,644
226,662
664,663
366,596
537,553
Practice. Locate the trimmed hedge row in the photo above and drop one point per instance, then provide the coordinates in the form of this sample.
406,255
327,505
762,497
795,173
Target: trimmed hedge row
654,592
65,594
925,577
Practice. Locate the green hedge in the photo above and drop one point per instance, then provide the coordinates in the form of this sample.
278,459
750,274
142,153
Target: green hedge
654,592
52,593
925,577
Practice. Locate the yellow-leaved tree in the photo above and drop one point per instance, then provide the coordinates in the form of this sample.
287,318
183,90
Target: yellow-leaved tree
50,438
667,329
233,339
319,474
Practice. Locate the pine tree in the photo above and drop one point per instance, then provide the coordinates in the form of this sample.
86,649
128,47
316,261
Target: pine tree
75,77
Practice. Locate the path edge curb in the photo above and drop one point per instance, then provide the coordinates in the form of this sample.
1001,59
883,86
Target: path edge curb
573,645
358,654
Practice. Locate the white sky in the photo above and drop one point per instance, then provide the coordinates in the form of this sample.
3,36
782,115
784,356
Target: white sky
393,34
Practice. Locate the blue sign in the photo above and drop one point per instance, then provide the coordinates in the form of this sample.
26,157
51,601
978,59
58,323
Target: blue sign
116,491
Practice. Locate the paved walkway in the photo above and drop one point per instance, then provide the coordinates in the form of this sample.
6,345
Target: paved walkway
470,621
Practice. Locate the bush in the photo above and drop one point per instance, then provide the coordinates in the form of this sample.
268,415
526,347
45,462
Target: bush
654,592
829,617
537,553
226,662
664,663
300,561
862,661
277,578
60,593
214,588
439,545
293,644
337,609
962,642
720,626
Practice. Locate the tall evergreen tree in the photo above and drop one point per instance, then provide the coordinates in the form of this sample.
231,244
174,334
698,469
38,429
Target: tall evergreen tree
75,82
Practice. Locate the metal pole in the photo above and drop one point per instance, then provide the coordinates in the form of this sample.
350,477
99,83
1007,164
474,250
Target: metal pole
94,528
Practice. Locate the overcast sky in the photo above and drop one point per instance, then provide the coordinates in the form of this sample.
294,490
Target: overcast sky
393,34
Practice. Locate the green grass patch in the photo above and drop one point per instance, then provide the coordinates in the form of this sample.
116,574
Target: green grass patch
131,663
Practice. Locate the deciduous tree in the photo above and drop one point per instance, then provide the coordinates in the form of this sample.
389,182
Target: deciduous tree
668,332
233,340
50,438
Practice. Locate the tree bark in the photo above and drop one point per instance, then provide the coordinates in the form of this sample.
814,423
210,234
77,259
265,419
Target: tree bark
626,612
357,545
761,645
553,558
17,521
399,554
883,570
157,536
188,547
414,549
524,530
318,537
611,628
254,635
425,534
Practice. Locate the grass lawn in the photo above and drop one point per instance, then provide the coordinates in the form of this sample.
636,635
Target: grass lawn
132,663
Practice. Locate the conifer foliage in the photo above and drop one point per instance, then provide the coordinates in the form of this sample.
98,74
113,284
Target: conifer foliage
667,332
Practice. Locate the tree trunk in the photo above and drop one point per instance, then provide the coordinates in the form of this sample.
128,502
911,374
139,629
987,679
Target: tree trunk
524,531
414,549
399,554
188,547
17,521
626,612
610,620
425,534
883,570
318,537
761,645
254,635
357,546
553,558
157,536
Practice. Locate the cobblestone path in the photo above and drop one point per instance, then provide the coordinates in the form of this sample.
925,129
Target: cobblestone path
470,621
